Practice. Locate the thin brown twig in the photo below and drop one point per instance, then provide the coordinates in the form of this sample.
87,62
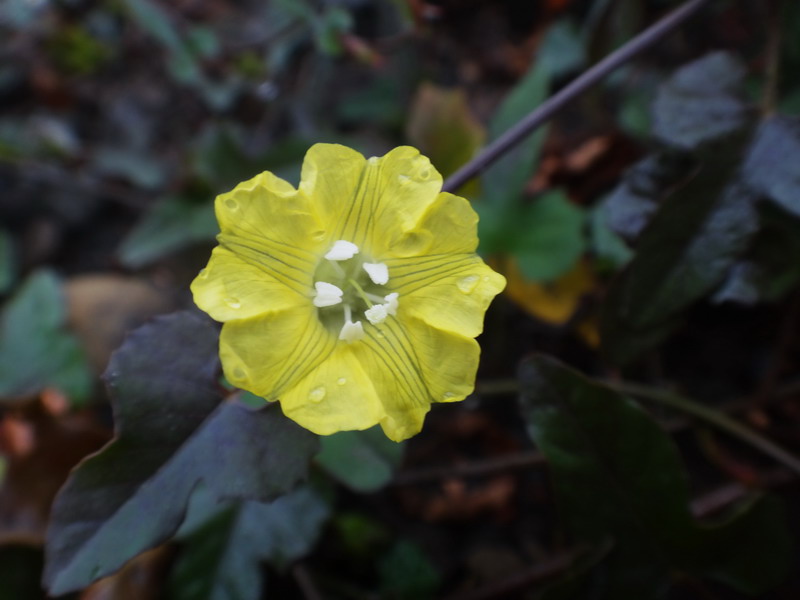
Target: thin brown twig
575,88
478,468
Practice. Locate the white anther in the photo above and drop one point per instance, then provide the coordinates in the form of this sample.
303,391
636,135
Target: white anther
342,250
376,314
351,332
378,272
327,294
392,303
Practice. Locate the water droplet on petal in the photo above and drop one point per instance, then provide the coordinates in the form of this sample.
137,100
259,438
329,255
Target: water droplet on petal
233,302
203,274
239,373
424,173
341,381
231,204
318,235
447,395
403,179
317,394
467,284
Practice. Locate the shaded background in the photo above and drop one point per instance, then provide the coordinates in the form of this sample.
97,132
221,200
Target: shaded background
121,120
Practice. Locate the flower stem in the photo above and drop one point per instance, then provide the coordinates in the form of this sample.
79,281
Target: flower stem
714,417
576,87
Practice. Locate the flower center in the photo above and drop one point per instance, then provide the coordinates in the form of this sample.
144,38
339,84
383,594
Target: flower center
348,288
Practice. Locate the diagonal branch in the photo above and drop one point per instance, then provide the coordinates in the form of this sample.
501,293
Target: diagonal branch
575,88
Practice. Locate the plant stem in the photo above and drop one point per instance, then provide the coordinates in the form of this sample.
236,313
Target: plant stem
576,87
714,417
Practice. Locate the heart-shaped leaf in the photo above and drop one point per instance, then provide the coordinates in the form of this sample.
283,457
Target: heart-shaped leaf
618,477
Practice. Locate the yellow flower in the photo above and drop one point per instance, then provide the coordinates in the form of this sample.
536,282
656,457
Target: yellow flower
354,299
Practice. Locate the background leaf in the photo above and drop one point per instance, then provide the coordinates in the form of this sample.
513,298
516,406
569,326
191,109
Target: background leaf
172,224
221,559
687,250
618,476
172,433
702,102
364,461
769,167
35,350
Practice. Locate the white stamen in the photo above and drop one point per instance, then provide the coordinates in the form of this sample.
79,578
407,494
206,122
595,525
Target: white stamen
378,272
351,332
392,303
327,294
342,250
376,314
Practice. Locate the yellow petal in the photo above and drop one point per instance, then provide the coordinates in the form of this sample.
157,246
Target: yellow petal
232,288
338,395
267,223
411,365
362,200
448,286
456,301
269,354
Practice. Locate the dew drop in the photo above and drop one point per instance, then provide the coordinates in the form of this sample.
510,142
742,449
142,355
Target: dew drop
424,173
233,302
448,395
317,394
467,284
203,274
238,373
318,235
403,179
341,381
231,204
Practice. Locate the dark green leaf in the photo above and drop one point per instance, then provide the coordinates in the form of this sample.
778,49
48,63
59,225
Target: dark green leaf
172,434
771,267
701,102
609,248
35,350
618,477
630,205
171,225
222,559
687,250
364,461
773,164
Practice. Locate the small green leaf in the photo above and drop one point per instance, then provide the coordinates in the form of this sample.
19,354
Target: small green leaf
171,225
504,182
35,350
364,461
173,433
697,235
618,477
773,164
407,573
222,559
8,263
701,102
547,238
